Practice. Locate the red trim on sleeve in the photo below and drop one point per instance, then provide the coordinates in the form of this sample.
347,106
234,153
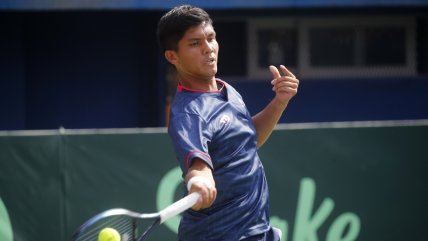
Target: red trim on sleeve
193,153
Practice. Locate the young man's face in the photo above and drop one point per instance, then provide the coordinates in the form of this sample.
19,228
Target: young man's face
197,53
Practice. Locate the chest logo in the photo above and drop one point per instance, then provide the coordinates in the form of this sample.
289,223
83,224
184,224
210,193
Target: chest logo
224,120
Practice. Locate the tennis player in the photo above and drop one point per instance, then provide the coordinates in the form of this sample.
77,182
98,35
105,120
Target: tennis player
215,137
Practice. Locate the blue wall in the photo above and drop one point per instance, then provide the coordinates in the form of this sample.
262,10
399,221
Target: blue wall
102,69
79,70
346,99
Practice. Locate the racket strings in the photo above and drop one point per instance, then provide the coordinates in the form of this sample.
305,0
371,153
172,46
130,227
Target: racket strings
124,225
149,229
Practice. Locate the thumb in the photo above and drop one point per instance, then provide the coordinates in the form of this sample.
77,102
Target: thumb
274,72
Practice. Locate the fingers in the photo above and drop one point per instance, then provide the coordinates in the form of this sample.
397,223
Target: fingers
274,72
286,84
286,72
208,195
288,80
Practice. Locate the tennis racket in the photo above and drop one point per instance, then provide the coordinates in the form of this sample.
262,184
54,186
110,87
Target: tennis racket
131,226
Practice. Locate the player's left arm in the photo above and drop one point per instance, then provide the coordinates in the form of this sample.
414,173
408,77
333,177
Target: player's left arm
285,87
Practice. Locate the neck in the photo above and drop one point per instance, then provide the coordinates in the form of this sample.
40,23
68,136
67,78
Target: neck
199,84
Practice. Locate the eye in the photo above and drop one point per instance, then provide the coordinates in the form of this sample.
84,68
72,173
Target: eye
211,39
193,43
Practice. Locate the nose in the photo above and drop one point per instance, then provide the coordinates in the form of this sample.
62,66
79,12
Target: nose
208,47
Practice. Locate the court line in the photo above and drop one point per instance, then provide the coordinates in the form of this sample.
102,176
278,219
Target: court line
352,124
289,126
63,131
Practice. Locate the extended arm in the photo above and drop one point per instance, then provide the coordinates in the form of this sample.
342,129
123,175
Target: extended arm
285,87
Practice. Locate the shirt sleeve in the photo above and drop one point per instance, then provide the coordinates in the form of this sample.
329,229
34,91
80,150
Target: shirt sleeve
190,136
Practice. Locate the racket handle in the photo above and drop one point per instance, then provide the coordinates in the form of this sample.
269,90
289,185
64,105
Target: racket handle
179,206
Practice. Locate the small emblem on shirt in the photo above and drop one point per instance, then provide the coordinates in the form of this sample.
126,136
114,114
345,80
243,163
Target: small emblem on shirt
224,120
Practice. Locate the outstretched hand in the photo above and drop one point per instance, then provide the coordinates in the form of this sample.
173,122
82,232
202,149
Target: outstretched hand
284,86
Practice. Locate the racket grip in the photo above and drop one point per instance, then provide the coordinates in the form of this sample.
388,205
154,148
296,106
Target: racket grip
179,206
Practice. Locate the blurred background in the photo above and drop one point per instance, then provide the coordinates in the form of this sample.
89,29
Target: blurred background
96,64
348,163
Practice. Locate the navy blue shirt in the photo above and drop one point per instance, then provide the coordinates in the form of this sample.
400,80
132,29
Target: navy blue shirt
216,127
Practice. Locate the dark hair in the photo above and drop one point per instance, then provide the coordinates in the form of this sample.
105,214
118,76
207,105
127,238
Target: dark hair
176,22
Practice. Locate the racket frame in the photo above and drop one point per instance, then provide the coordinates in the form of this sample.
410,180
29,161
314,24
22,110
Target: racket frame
158,218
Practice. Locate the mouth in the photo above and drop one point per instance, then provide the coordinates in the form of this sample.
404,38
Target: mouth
210,60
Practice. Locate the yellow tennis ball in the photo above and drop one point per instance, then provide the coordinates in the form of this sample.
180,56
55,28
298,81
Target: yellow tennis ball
108,234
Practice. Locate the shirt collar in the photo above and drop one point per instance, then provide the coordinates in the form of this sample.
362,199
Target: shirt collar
180,88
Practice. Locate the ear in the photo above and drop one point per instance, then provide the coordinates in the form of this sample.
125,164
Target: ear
171,56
